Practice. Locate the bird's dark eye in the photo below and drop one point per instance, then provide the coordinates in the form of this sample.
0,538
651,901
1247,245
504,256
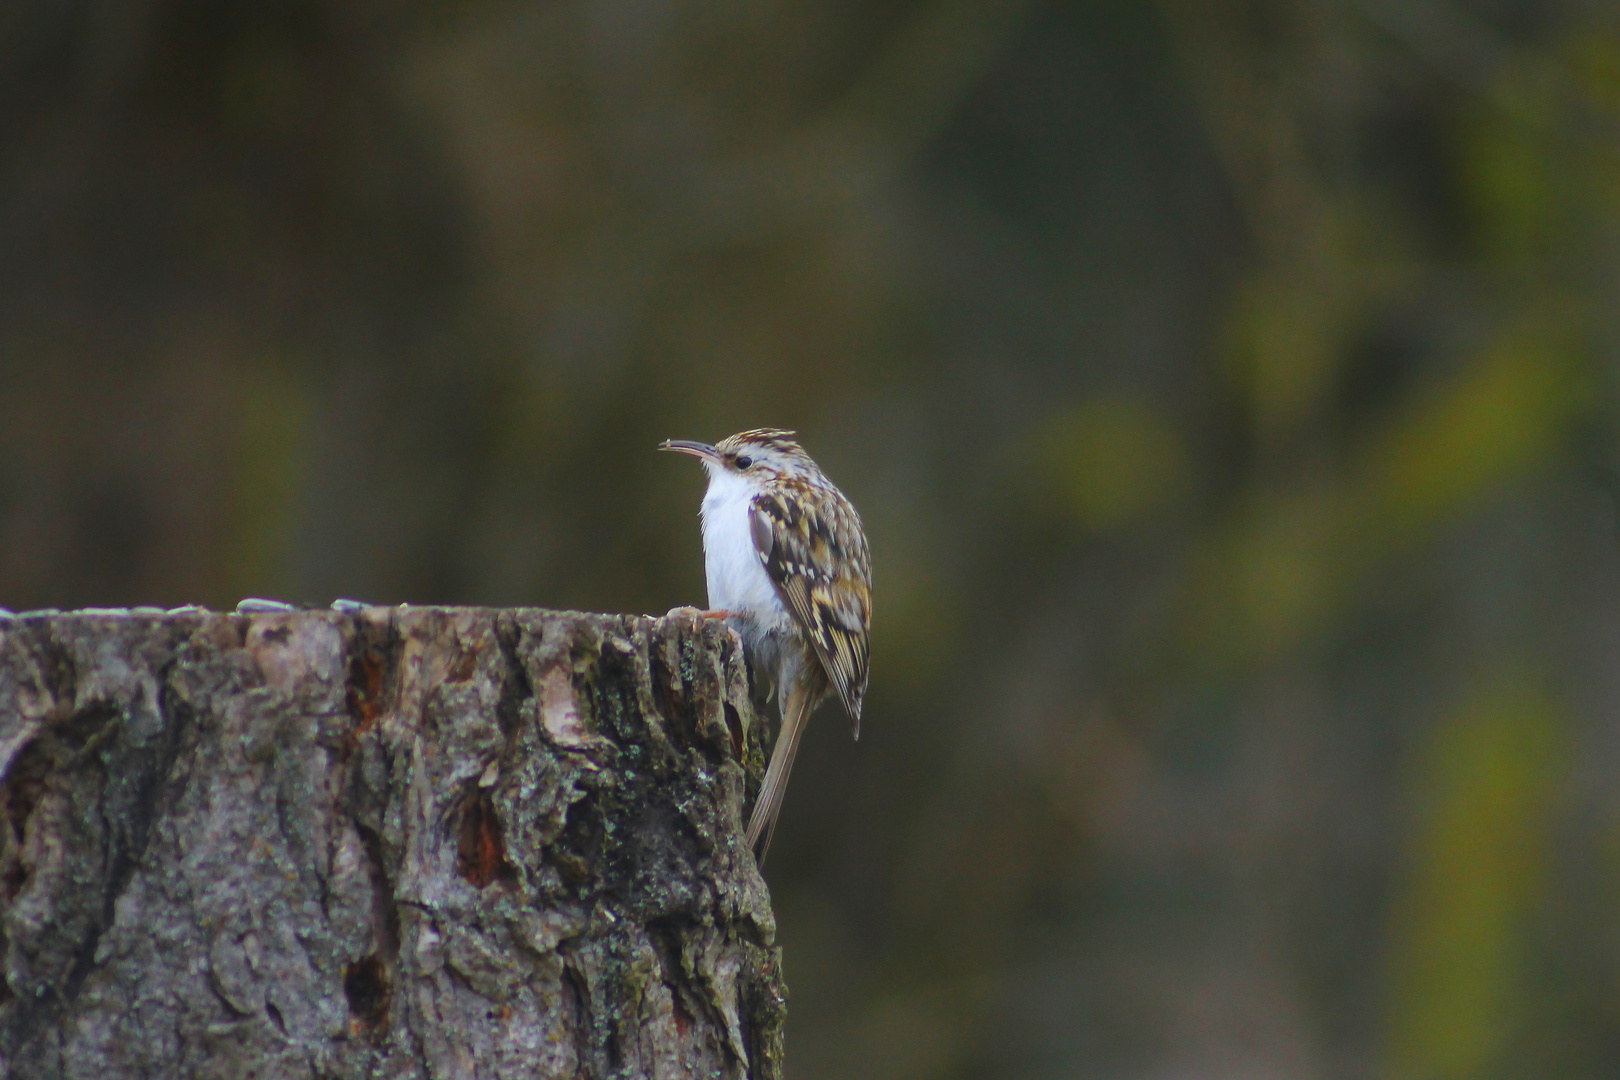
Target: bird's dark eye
743,461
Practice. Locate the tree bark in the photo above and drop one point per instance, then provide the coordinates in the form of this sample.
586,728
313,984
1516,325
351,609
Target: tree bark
395,842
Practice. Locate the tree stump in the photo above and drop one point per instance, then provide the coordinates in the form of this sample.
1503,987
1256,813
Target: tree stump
391,842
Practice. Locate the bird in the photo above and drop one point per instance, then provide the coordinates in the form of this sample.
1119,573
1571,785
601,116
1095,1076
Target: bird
789,569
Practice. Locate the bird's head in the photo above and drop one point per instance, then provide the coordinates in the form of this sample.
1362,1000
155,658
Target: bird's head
759,456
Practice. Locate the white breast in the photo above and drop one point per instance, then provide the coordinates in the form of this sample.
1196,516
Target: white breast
737,578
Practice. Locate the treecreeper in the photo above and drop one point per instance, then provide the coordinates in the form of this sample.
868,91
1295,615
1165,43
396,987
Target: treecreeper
789,569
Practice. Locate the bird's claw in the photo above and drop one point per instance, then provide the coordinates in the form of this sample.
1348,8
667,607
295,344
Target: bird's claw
696,615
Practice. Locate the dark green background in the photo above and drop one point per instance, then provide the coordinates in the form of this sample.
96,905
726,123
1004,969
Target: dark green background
1228,389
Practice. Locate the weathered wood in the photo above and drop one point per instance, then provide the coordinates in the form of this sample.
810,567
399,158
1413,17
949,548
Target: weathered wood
394,842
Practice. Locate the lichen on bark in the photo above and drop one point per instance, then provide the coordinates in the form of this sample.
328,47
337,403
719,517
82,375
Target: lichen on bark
394,842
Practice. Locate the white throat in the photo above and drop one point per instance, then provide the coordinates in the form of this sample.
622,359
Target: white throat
737,579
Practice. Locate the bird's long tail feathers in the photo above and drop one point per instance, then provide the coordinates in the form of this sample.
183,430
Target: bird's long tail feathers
762,823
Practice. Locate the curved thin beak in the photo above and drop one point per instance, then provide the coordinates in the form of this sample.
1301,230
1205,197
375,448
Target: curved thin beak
687,446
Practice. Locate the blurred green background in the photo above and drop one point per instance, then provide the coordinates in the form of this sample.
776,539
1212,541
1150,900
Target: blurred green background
1229,390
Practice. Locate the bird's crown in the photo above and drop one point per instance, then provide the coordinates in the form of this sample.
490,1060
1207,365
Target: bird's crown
768,450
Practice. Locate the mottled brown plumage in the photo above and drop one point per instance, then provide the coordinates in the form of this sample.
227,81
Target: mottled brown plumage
816,556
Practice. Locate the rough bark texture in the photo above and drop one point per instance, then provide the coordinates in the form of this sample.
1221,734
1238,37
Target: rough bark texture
412,842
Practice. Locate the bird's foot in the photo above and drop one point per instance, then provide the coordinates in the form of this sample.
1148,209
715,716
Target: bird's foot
694,616
689,612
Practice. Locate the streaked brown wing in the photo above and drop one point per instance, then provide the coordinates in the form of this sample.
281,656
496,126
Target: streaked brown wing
822,570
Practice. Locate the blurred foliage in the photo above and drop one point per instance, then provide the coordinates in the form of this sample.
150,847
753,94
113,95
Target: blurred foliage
1228,388
1478,861
1105,462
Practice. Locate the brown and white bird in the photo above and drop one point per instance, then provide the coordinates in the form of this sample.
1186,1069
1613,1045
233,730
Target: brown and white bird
789,568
